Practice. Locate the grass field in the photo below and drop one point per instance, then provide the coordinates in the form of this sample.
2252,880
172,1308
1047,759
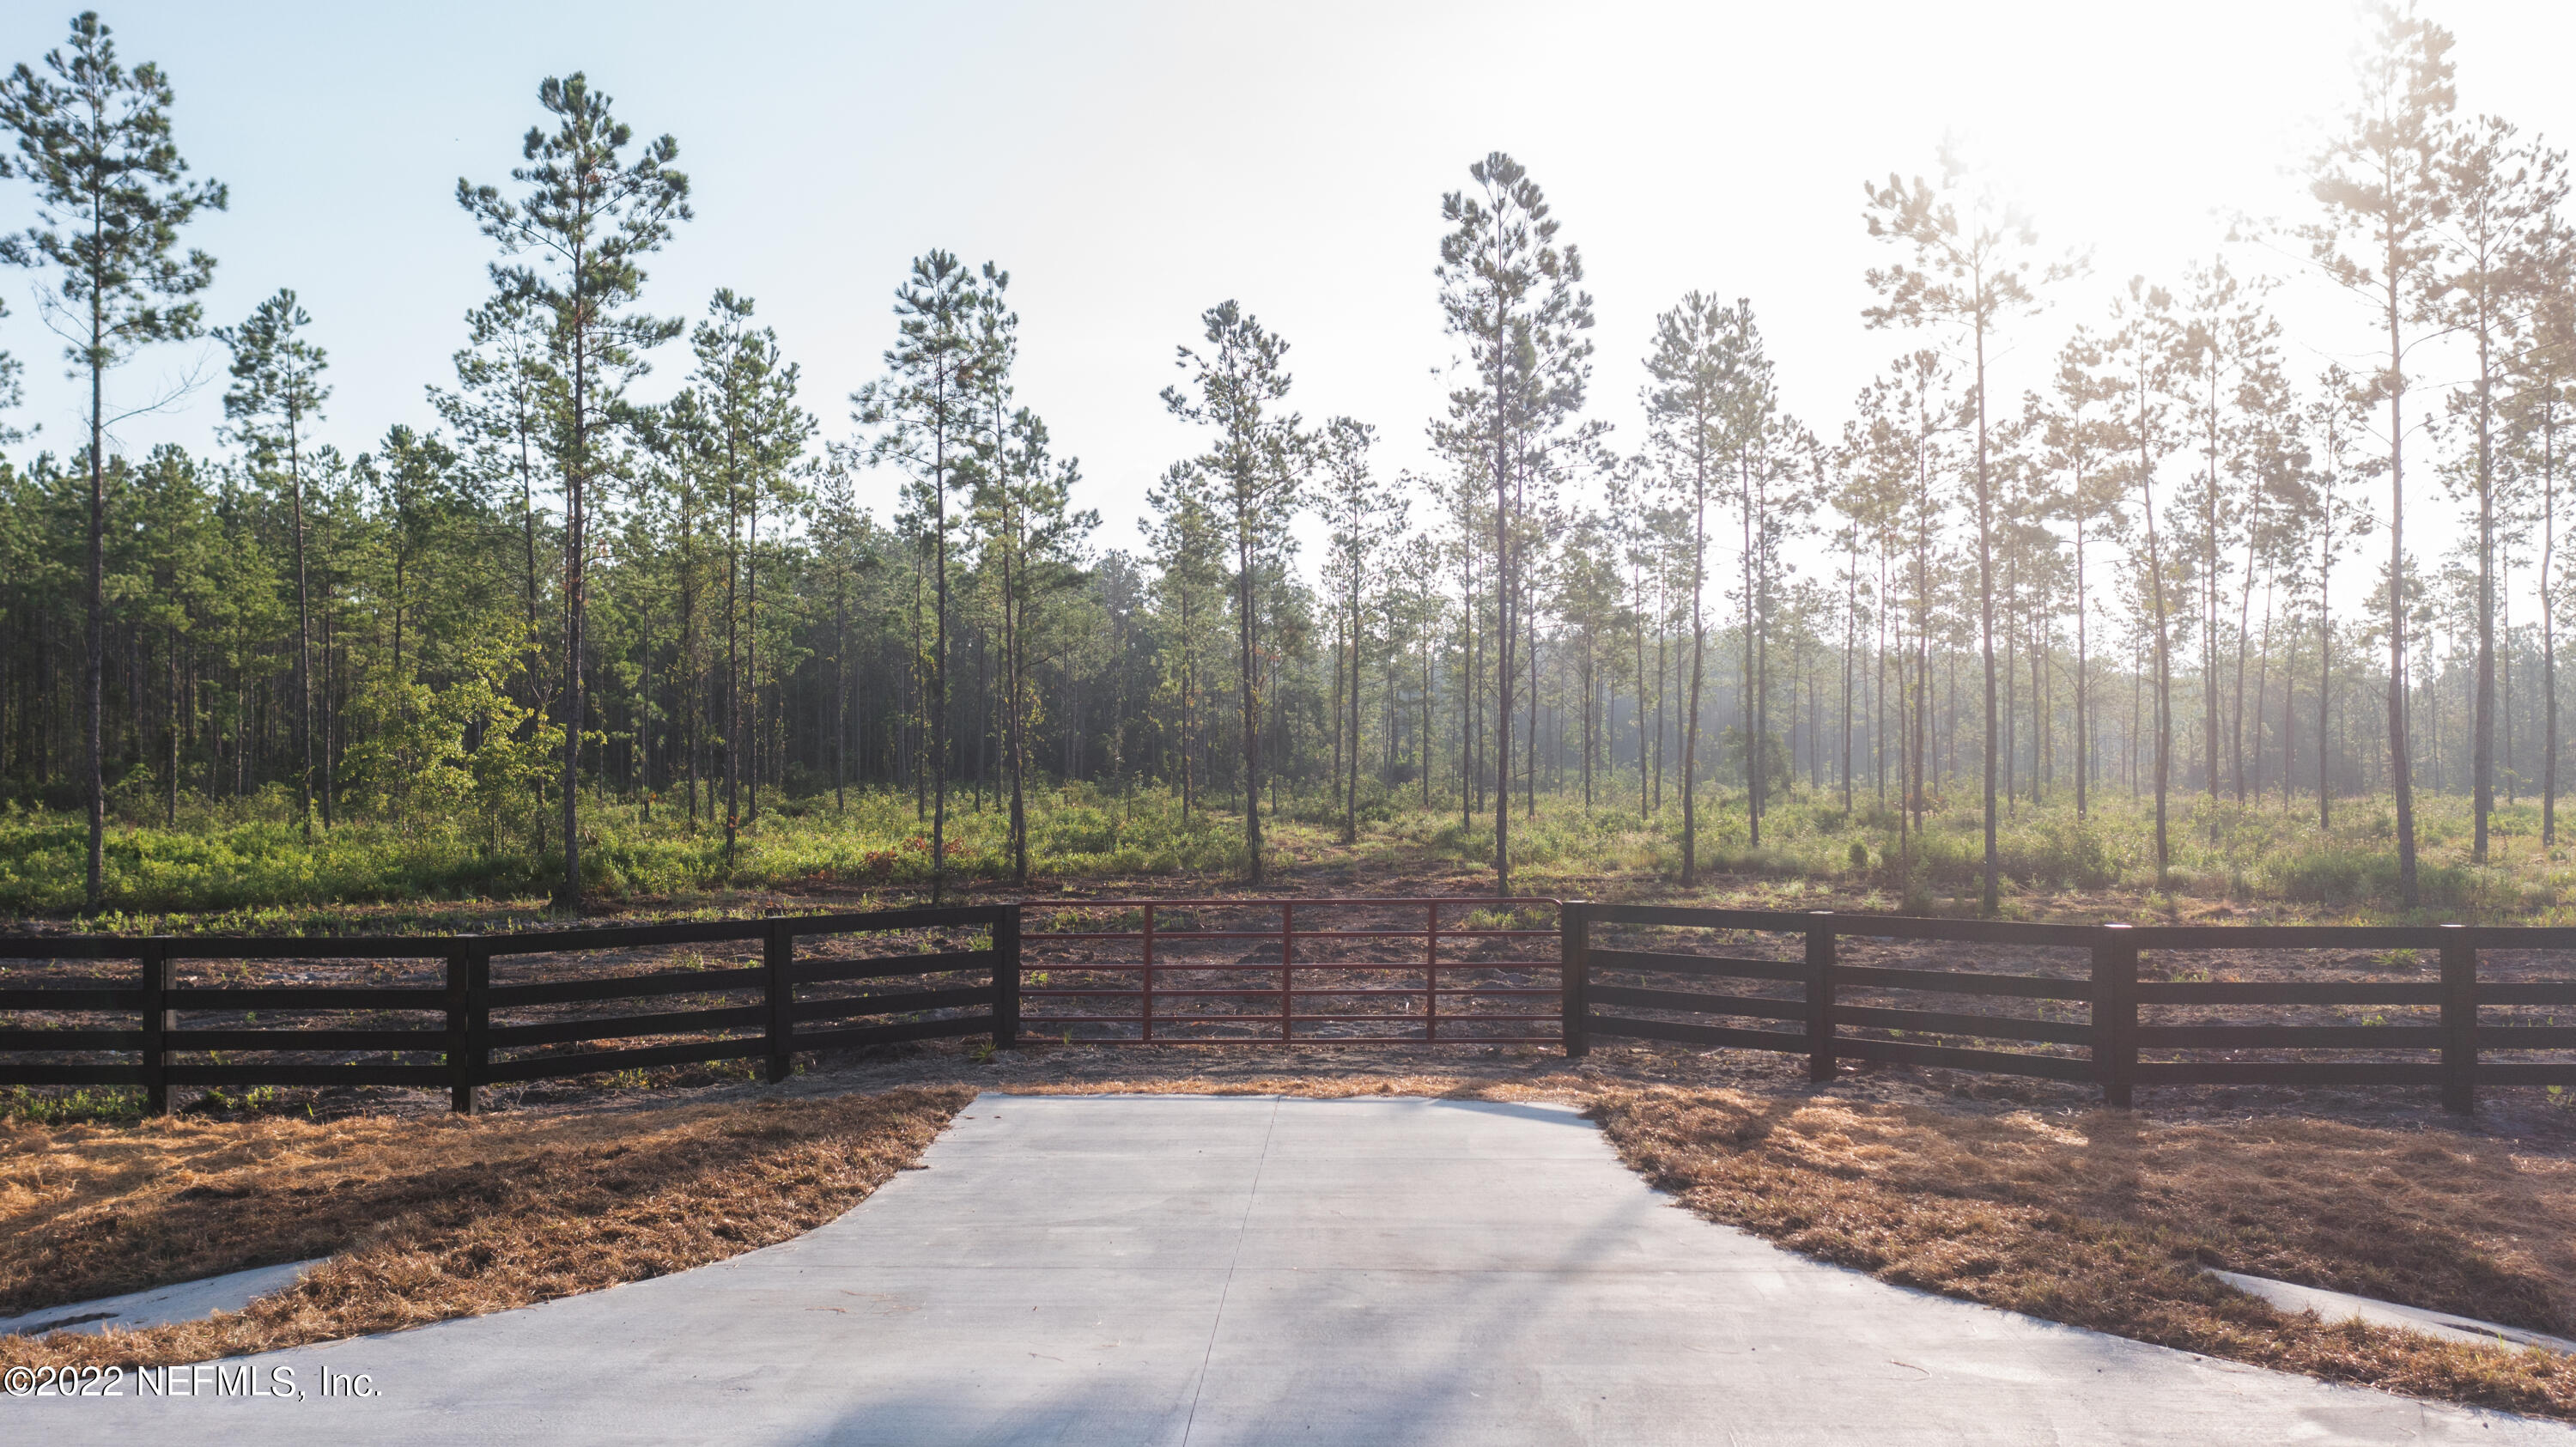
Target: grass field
251,866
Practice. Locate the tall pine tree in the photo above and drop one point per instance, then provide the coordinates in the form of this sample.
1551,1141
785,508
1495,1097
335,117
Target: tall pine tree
111,194
2379,181
591,211
1514,297
276,396
924,413
1258,463
1971,271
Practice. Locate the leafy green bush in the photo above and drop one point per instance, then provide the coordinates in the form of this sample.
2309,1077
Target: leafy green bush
2059,851
2328,875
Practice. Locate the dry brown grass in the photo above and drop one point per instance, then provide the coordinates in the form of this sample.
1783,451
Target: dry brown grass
422,1220
2102,1219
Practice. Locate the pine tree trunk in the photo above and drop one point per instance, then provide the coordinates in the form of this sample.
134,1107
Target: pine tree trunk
2400,763
938,759
1503,640
2482,747
2164,651
1351,794
94,662
2083,671
1015,667
1248,662
1690,718
1986,621
2548,625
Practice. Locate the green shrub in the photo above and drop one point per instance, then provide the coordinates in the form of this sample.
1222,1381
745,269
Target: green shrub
2329,875
83,1105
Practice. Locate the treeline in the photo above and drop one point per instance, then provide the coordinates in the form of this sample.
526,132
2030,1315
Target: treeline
545,593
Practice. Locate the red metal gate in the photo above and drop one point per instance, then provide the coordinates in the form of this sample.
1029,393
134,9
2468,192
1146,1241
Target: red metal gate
1262,971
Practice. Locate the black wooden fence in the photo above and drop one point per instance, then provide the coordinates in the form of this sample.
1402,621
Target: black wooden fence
2461,1030
1678,995
782,1005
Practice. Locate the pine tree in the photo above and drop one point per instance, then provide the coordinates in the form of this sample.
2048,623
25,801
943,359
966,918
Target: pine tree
2140,368
277,393
1699,371
2333,423
1515,299
754,436
2544,375
924,413
590,214
849,544
1023,508
1970,272
684,440
1761,442
12,394
1628,537
507,390
166,523
1902,447
2080,446
1259,463
2380,184
2229,351
2500,196
1588,598
1366,518
93,138
1182,538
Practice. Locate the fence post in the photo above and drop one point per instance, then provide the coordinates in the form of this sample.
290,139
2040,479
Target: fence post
460,1028
1574,974
2459,1023
2115,1014
153,956
1431,970
1287,970
1006,978
778,986
1820,994
478,1012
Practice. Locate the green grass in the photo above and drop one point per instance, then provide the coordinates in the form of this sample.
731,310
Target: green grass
2219,851
248,866
254,867
83,1105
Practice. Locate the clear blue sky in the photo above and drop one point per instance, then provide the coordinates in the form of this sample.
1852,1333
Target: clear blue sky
1132,163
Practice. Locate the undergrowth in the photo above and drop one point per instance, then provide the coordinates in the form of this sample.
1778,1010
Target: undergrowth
249,864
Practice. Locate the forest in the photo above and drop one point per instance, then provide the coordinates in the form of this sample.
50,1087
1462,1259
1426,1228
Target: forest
1950,649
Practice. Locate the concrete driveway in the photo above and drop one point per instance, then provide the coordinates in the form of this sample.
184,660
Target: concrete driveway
1248,1269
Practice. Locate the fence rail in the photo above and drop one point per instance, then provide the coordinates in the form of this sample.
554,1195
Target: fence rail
1429,971
450,1038
1632,993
